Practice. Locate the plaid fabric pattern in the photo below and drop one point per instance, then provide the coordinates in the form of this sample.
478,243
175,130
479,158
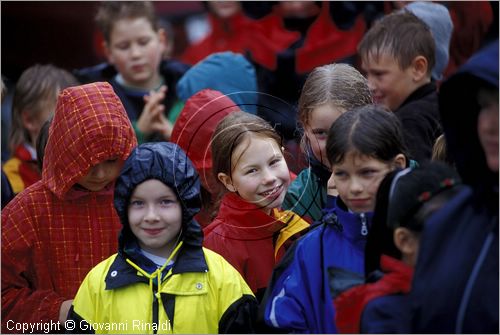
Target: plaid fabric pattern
52,233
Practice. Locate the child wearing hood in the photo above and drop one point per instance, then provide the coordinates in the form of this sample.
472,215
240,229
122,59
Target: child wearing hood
60,227
162,279
458,257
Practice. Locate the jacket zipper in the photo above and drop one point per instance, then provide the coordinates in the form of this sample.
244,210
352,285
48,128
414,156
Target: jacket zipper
364,228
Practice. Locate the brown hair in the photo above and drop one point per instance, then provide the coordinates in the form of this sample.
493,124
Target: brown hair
231,131
37,86
111,11
403,36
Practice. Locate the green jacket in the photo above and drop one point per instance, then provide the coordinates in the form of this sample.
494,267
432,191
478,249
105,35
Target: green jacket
305,196
117,296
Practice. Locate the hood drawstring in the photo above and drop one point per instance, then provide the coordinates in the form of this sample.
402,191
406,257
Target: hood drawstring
158,272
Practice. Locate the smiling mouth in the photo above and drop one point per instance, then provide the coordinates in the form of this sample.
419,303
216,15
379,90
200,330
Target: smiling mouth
153,231
273,192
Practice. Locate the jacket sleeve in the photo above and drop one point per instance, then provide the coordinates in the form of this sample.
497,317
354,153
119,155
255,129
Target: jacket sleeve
240,317
236,301
84,307
286,299
21,302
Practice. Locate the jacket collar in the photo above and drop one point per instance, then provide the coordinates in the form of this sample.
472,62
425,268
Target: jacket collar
190,259
350,225
245,220
421,92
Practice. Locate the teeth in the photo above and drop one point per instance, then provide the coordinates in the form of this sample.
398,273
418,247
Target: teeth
271,191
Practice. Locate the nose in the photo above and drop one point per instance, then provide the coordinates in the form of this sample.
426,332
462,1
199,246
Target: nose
268,177
371,84
99,171
135,50
151,215
356,186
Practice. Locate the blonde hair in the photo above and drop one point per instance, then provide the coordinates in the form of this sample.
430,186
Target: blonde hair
439,151
339,84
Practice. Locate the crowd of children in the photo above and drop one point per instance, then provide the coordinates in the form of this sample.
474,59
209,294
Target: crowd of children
151,196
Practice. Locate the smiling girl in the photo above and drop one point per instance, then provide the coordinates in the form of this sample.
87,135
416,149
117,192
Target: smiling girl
250,230
362,147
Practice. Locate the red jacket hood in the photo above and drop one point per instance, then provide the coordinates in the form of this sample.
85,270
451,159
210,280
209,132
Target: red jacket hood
90,125
195,126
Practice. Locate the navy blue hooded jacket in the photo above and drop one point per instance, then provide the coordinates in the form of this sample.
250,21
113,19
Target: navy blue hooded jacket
455,286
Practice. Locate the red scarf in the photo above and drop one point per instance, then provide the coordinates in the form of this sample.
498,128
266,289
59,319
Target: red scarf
350,304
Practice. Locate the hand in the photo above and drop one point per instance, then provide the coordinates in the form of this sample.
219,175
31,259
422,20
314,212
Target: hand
64,309
331,189
152,118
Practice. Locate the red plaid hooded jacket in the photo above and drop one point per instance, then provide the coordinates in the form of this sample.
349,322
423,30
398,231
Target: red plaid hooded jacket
53,233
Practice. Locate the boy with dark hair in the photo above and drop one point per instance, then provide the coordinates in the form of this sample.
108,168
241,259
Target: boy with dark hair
134,44
398,55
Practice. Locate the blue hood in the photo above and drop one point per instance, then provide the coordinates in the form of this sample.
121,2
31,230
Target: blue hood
227,72
459,113
167,163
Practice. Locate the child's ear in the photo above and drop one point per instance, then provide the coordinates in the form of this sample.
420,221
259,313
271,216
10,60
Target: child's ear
407,242
226,181
419,68
108,53
400,161
162,36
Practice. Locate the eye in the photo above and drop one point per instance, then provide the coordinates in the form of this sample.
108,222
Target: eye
136,203
340,174
320,133
145,40
111,161
368,172
275,161
122,46
249,171
167,202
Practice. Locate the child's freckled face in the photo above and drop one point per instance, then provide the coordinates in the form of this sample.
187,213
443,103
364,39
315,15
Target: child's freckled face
316,130
155,217
135,49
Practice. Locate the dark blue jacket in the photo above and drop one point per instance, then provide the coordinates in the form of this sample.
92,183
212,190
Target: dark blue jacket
299,298
133,100
455,286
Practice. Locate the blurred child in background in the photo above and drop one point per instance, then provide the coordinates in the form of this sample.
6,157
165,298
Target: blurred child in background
35,98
